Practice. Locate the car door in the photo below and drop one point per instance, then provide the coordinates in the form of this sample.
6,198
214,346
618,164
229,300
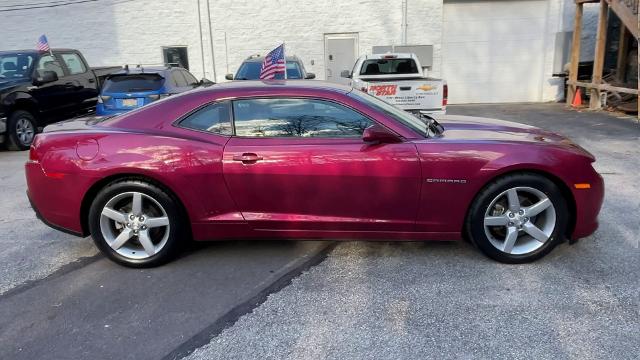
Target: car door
55,99
301,164
81,80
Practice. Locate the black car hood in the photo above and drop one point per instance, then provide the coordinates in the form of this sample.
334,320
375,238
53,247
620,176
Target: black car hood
11,83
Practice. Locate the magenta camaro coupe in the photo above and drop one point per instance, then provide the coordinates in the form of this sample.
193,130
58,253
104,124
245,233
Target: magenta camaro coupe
308,160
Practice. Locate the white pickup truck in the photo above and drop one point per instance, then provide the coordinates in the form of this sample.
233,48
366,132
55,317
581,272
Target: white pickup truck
399,80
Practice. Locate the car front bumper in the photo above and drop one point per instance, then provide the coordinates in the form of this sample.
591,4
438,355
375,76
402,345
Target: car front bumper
588,205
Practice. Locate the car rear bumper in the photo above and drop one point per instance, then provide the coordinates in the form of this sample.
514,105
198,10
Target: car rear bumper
52,199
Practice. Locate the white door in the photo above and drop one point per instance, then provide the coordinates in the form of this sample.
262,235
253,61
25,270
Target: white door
340,54
493,51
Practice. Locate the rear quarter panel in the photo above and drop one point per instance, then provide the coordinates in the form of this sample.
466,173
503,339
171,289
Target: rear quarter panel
188,167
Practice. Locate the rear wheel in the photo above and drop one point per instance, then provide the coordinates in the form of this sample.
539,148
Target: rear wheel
518,218
136,224
21,129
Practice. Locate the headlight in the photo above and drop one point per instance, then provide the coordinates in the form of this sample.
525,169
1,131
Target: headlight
103,99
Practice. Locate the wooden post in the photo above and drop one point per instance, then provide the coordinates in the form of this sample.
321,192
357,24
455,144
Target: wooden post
598,61
623,49
575,52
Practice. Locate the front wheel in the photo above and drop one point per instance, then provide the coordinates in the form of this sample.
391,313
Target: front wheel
518,218
136,224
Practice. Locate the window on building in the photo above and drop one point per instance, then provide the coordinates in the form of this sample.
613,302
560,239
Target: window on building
297,118
176,56
213,118
74,63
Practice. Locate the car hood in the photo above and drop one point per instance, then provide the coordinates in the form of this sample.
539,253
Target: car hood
476,129
9,84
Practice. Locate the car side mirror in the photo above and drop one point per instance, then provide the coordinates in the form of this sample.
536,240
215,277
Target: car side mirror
229,76
310,76
345,74
47,77
378,134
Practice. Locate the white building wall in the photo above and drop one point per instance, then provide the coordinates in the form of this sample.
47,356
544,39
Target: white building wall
255,29
115,32
107,32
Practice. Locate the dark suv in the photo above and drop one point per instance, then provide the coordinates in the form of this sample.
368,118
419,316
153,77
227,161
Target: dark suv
250,69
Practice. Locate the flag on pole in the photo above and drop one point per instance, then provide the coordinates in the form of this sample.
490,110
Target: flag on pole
43,44
274,63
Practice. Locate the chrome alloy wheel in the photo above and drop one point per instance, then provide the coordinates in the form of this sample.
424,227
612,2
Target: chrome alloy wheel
135,225
520,220
25,131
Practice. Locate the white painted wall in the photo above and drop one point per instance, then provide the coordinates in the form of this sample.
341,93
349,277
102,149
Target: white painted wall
116,32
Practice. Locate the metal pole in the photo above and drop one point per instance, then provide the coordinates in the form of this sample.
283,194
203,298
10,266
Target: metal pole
404,22
204,74
226,52
213,59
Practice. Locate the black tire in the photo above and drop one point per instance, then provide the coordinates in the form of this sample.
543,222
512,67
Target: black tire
475,228
14,141
177,227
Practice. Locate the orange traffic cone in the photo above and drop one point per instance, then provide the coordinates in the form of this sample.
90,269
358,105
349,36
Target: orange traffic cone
577,99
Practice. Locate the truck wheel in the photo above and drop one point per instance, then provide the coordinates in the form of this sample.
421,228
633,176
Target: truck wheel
21,129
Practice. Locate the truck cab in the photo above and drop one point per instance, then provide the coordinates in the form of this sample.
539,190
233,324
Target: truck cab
38,88
399,79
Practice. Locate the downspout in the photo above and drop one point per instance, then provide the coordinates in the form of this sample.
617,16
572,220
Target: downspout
213,59
204,74
404,22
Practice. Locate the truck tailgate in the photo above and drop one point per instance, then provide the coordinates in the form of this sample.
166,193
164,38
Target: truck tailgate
423,94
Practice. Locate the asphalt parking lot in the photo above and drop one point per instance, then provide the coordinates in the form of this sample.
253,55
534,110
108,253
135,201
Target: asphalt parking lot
350,300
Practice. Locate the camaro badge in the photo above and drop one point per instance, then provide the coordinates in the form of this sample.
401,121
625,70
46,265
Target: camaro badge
447,181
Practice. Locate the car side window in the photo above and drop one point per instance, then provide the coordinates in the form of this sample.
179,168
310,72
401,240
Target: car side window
178,78
214,118
191,80
49,63
74,63
294,117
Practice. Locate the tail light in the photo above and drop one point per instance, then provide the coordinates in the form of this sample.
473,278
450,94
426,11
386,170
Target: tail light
445,95
33,153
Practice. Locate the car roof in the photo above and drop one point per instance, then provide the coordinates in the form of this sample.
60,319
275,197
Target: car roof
396,55
143,70
278,85
260,58
33,51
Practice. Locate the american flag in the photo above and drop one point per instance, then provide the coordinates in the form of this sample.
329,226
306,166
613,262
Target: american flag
273,63
43,44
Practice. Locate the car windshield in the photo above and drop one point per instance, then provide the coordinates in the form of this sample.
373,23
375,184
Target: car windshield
388,67
133,83
15,66
250,70
398,114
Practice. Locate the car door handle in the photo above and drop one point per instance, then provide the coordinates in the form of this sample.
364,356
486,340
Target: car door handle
92,81
247,158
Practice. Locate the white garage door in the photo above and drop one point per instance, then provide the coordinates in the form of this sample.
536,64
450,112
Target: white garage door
493,50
